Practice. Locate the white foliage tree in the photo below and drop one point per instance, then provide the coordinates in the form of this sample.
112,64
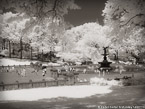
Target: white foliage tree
46,36
125,13
88,39
123,16
39,8
126,17
40,12
13,29
135,44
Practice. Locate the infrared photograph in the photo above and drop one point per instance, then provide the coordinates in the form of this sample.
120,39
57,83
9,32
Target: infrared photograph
72,54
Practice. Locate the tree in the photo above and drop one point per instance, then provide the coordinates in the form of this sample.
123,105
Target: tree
46,36
125,12
40,12
126,17
135,44
123,15
68,41
39,8
12,30
87,39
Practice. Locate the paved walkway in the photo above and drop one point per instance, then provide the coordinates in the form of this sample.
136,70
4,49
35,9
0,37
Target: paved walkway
121,96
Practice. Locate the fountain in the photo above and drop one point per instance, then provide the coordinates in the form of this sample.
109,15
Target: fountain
105,65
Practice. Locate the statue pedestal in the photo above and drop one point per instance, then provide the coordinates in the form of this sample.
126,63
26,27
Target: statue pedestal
105,65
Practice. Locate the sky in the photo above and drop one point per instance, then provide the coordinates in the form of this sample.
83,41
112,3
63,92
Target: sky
91,11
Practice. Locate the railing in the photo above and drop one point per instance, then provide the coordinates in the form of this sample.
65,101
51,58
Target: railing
37,84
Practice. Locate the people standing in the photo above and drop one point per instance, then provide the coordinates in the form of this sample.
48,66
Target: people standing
44,69
121,69
23,72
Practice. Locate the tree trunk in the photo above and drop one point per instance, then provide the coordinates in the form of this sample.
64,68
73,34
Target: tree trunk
21,49
13,51
50,56
4,45
31,53
37,53
116,55
137,58
9,49
42,55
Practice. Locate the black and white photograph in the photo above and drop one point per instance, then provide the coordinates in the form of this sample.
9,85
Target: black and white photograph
72,54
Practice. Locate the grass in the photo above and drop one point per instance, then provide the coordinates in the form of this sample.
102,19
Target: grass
12,76
120,96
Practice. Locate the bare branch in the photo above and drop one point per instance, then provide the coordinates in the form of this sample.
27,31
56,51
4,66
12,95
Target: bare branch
137,15
115,11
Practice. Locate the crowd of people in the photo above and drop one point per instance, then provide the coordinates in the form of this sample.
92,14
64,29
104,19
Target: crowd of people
66,68
20,70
